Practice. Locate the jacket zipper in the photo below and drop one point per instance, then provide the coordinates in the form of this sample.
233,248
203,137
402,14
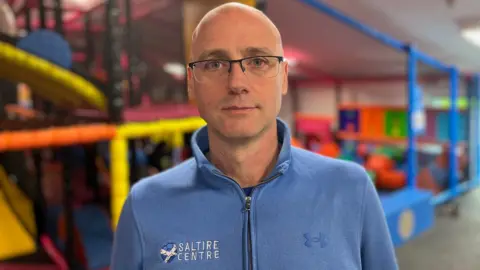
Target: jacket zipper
248,204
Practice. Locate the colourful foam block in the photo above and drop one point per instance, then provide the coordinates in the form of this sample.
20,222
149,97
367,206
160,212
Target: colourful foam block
48,45
396,123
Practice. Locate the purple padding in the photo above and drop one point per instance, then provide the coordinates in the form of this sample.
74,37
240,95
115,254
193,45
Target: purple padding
431,124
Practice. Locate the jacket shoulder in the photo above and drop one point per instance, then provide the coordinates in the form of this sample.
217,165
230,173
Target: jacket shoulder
331,169
176,177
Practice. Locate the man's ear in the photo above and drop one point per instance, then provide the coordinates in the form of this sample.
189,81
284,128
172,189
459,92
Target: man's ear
285,78
191,93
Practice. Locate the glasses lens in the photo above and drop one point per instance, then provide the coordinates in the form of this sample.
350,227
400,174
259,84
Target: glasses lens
255,68
210,70
261,67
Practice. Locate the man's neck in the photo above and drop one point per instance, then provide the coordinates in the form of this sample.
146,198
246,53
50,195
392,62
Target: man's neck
249,163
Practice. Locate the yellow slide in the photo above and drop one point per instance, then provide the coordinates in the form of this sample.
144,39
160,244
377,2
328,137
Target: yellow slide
17,226
60,86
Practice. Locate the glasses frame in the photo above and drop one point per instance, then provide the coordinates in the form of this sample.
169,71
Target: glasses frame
239,61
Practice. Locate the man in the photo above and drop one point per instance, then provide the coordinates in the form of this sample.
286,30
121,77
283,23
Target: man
248,199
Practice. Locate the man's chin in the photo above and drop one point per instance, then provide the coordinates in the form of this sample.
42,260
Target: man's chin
239,134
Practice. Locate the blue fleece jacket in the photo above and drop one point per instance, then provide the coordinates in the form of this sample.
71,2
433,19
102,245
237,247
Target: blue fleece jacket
311,212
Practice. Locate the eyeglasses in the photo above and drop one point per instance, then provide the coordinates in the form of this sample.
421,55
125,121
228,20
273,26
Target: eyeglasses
254,67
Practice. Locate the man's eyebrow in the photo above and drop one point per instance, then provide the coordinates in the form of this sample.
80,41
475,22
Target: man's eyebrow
215,53
254,51
223,54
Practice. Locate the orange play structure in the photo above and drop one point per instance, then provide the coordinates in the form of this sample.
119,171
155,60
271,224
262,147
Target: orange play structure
330,149
63,136
387,177
296,143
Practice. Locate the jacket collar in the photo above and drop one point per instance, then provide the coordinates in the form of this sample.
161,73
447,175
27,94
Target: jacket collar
200,147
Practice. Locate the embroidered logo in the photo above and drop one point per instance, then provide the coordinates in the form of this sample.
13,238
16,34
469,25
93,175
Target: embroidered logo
320,239
191,251
168,252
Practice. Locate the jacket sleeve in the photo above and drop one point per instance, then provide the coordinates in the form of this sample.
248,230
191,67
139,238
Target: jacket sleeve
377,249
127,249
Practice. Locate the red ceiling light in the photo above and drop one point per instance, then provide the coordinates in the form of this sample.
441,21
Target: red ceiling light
294,55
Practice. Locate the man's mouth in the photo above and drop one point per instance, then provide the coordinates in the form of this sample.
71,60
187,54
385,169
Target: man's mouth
238,108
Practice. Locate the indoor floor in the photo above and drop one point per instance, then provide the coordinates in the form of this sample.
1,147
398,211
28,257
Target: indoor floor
453,243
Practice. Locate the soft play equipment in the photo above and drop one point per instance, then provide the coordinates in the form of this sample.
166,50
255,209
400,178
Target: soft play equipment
48,45
18,231
384,123
315,129
92,232
15,239
296,143
48,80
434,175
93,236
387,176
330,149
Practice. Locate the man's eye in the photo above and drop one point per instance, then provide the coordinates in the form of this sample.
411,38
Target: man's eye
212,65
258,62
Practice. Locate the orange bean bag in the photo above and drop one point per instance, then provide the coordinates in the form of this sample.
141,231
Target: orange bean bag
330,150
390,179
378,163
296,143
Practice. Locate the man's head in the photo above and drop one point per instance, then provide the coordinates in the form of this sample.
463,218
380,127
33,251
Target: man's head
239,100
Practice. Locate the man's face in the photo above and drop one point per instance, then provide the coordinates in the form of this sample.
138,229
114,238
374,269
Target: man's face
238,104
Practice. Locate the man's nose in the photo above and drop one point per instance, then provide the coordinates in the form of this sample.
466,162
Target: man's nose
237,79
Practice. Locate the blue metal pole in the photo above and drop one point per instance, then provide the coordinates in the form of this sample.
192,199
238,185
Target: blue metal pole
426,59
411,85
476,82
369,31
471,129
453,132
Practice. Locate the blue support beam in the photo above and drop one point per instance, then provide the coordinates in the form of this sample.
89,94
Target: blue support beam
476,96
426,59
474,127
373,33
369,31
451,194
453,131
411,88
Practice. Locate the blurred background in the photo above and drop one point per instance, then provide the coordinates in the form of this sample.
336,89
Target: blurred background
93,99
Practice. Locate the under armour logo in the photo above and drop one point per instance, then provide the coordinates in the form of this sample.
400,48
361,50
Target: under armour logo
321,240
168,252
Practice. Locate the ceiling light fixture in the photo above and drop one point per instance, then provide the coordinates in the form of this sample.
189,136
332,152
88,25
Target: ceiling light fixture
177,70
470,29
472,35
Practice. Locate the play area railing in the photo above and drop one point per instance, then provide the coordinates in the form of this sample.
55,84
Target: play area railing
120,172
415,57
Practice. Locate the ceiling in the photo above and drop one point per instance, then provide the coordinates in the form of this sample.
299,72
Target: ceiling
334,48
318,43
434,26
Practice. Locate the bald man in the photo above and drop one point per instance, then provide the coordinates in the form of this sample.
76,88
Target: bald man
247,199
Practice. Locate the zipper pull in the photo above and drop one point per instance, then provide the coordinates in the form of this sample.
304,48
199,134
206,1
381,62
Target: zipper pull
248,202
